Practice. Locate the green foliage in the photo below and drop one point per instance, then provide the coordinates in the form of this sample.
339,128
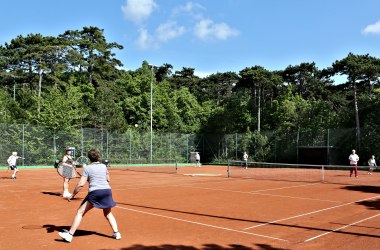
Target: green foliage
256,145
73,80
60,110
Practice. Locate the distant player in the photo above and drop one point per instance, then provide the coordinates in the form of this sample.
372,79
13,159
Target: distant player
354,158
245,159
12,163
372,164
197,160
67,158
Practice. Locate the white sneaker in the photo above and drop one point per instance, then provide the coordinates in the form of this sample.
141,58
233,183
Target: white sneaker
66,194
116,235
66,236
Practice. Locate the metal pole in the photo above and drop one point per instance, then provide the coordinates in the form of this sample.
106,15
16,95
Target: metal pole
187,148
107,145
23,144
130,145
328,146
236,145
170,146
151,114
81,142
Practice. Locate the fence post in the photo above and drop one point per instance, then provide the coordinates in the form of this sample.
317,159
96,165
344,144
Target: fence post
228,169
23,144
187,149
297,144
107,143
328,146
170,146
54,146
130,145
236,145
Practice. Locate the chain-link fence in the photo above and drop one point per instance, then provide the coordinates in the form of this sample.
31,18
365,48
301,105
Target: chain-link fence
40,146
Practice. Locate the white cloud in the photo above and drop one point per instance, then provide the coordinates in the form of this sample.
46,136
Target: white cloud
145,40
208,29
164,33
138,10
189,7
203,28
372,28
169,30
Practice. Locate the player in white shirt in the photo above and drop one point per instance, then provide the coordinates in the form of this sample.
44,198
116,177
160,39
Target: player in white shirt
12,163
372,164
197,160
354,158
245,159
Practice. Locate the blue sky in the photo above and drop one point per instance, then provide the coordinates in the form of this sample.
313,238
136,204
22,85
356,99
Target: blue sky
209,35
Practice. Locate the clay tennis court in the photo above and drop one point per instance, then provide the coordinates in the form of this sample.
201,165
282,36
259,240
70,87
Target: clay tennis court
197,208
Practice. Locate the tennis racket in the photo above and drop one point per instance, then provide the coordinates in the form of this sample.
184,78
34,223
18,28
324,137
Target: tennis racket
82,161
67,170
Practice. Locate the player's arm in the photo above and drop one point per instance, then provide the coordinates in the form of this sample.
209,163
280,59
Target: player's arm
79,186
64,159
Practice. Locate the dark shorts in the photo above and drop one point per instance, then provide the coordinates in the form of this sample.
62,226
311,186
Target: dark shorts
13,167
101,198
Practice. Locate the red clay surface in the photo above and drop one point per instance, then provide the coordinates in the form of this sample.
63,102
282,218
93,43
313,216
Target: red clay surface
189,211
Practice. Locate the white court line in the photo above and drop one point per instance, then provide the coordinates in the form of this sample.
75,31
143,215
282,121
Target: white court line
295,197
271,189
357,222
317,211
257,193
202,224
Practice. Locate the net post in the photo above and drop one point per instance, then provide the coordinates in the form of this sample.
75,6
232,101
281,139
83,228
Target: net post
228,169
323,173
176,167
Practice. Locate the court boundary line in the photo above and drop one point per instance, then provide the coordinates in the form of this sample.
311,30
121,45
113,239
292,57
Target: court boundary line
295,197
201,224
272,189
313,212
338,229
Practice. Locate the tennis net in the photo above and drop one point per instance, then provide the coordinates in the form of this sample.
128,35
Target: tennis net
301,172
169,168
